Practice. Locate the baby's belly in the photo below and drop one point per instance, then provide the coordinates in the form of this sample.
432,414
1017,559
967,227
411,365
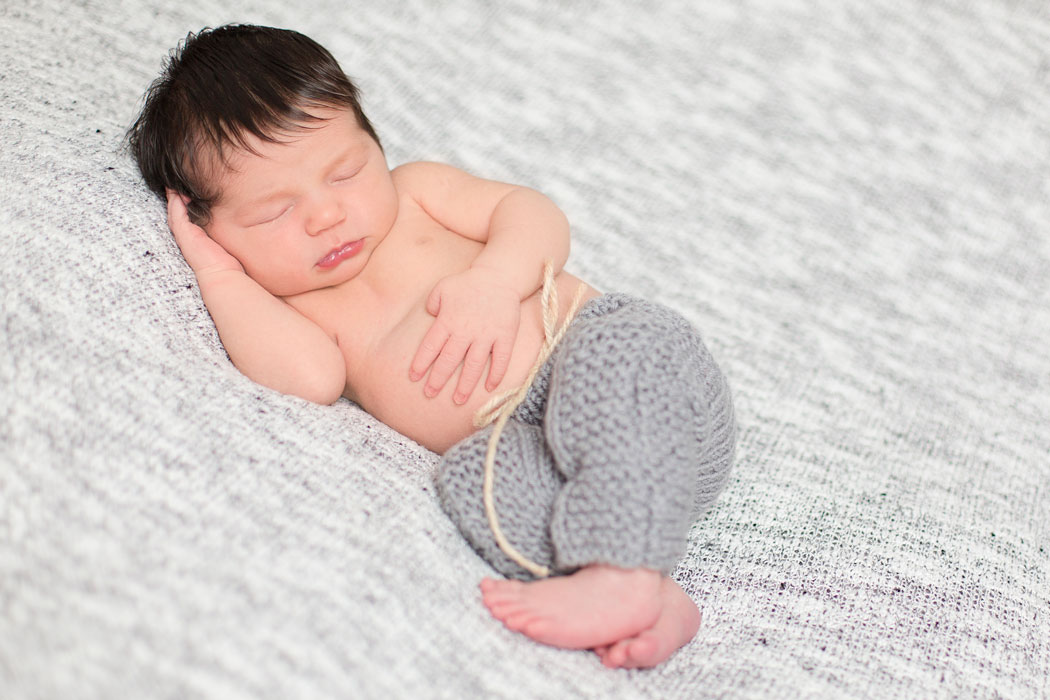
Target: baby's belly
382,386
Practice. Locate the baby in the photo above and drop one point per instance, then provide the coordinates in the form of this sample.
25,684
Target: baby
415,293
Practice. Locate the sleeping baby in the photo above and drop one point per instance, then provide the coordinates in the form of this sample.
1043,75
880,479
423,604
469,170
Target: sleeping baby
578,443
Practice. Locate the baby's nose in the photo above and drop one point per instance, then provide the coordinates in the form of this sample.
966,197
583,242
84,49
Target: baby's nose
325,213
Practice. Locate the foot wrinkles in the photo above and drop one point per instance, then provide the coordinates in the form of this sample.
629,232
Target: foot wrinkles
632,618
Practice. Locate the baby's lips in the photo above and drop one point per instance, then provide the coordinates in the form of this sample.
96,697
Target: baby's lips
340,253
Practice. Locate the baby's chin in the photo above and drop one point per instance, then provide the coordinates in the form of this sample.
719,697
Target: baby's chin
288,289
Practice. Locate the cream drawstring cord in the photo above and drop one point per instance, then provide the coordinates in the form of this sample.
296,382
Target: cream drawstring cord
502,406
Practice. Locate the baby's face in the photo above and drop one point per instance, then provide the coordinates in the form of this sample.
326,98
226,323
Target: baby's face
306,213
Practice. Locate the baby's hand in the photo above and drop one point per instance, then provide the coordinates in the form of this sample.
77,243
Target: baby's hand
476,316
204,255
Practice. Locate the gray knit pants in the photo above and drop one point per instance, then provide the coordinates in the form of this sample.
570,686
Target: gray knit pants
625,437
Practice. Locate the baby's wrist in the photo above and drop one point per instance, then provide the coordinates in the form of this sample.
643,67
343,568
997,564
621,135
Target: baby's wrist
497,277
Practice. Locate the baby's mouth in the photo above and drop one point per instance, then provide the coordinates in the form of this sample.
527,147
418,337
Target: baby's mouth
338,255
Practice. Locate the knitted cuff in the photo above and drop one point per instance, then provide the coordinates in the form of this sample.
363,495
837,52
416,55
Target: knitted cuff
524,489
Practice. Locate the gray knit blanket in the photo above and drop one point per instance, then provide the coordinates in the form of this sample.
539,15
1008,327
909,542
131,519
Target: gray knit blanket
850,198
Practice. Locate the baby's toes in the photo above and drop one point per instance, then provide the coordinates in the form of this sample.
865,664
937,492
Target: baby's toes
615,654
500,591
644,651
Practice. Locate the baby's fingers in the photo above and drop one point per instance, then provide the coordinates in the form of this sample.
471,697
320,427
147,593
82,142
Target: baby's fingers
177,212
501,351
429,349
473,366
445,365
179,221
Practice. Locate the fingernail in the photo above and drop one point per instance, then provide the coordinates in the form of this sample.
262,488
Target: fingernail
431,393
459,398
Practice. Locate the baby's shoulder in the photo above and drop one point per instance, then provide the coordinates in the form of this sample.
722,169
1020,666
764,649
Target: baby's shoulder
422,175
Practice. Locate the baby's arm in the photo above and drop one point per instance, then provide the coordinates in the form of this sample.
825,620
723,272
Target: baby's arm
267,340
478,311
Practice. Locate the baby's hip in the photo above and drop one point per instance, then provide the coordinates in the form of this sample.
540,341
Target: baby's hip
630,354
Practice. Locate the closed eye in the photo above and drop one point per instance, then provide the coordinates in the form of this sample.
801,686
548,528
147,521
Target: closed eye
270,218
348,174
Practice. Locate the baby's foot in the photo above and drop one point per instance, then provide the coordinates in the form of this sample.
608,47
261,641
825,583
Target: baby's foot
677,624
597,605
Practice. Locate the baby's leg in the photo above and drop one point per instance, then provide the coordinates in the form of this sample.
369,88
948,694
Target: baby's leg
525,487
639,440
525,484
636,417
629,422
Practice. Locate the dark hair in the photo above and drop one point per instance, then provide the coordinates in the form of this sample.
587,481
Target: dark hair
220,85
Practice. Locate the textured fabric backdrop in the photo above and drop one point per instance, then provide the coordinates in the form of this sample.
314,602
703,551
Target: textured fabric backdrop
849,198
